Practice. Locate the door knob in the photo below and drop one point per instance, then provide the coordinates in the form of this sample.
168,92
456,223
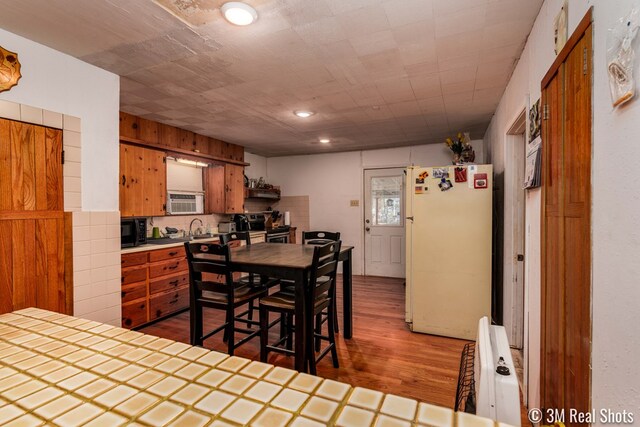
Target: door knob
368,229
367,221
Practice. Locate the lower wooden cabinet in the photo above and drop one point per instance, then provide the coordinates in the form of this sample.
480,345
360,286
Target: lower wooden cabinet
155,284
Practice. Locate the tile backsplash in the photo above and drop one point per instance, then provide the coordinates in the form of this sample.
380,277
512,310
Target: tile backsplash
181,222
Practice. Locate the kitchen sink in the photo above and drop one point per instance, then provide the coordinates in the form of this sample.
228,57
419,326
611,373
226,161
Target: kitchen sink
166,241
204,236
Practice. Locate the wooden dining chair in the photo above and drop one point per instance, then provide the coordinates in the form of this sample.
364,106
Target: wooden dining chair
211,285
322,284
321,238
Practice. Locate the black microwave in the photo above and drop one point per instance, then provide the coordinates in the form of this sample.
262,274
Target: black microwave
133,232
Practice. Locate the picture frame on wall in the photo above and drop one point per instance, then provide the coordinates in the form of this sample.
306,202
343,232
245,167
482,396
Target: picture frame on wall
535,121
560,29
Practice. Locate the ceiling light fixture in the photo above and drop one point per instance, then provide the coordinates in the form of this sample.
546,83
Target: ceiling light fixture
325,140
304,114
239,13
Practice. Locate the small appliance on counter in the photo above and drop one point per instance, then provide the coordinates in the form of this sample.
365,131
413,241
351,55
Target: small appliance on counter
133,232
226,227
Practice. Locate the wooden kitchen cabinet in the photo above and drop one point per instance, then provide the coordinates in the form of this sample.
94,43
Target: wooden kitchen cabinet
143,180
154,284
224,189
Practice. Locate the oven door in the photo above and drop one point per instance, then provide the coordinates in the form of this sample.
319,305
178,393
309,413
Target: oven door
278,238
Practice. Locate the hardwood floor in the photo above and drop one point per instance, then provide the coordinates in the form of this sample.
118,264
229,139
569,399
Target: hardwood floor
383,354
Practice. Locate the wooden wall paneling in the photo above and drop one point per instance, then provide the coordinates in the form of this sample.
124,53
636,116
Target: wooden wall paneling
128,125
148,131
68,263
41,170
23,254
237,152
54,181
155,182
169,135
216,147
186,140
6,180
6,265
215,189
201,143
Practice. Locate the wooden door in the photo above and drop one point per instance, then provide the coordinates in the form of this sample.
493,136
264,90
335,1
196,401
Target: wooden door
143,181
234,188
566,243
32,221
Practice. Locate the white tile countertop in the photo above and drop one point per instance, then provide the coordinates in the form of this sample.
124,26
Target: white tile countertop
62,370
150,247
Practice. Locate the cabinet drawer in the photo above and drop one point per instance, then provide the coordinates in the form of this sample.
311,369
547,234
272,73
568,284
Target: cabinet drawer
167,267
137,258
162,254
162,304
134,274
134,291
134,313
170,283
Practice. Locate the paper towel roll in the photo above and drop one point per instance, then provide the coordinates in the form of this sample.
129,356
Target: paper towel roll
287,218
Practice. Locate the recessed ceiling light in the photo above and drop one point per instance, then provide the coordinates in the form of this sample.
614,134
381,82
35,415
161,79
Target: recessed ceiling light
304,114
239,13
325,140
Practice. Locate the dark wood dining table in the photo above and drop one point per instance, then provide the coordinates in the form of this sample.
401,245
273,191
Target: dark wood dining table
293,262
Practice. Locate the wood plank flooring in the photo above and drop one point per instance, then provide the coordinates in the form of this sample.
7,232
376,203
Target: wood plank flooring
383,354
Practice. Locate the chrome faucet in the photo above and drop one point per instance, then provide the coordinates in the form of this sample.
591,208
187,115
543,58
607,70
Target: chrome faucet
191,225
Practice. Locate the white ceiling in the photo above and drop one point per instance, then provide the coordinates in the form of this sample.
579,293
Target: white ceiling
378,73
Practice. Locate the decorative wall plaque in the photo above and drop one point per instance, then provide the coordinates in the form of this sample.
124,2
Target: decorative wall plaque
9,69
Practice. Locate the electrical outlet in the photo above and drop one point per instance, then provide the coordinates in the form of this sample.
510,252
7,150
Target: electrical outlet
355,203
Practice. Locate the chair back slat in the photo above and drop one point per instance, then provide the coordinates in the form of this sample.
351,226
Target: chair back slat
242,236
319,237
216,263
324,269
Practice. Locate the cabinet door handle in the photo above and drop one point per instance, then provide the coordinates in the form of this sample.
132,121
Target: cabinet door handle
173,267
124,180
174,282
173,253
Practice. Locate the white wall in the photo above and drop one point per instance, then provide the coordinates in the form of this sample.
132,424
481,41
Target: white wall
332,180
57,82
258,166
615,208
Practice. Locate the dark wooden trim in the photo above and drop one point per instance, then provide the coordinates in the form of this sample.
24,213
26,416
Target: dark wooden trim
568,47
169,150
68,263
19,215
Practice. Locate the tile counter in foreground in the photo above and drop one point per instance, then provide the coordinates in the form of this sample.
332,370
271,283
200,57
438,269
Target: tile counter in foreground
62,370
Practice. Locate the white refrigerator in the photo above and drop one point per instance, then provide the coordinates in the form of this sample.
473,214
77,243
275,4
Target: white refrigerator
449,229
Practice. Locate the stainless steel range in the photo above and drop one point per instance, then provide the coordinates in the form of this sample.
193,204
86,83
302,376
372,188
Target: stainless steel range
278,234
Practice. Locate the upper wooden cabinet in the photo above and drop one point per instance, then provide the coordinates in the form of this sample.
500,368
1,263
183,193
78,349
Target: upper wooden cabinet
170,137
143,177
224,189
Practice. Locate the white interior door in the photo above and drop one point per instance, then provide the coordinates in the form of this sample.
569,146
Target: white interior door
384,248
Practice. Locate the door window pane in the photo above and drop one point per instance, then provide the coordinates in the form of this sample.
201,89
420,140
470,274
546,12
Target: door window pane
386,200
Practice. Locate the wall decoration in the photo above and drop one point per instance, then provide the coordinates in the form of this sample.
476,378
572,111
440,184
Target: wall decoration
460,174
480,180
440,173
560,30
9,69
418,189
535,121
445,184
461,148
533,165
620,58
